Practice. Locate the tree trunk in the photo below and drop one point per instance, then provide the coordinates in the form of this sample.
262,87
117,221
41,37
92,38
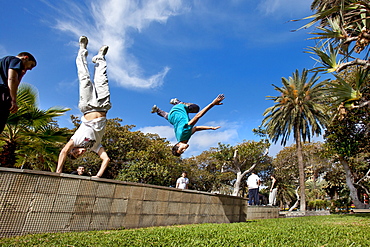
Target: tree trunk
237,183
349,180
296,203
301,170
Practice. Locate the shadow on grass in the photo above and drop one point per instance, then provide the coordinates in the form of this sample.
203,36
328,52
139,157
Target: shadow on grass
360,215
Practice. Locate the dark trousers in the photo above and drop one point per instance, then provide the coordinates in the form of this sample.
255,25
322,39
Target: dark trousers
5,104
191,108
253,197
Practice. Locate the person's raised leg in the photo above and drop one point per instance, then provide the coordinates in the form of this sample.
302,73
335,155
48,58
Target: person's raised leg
160,112
86,86
191,107
101,80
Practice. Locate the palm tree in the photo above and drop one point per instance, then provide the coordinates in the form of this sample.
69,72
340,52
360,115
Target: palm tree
31,132
299,109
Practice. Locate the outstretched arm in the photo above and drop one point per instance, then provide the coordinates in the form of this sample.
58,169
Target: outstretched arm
105,160
63,155
216,101
199,128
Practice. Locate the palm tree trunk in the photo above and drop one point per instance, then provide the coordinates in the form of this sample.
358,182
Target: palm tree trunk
351,187
301,170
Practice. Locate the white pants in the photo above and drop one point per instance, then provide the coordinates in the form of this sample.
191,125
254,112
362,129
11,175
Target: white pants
93,96
272,197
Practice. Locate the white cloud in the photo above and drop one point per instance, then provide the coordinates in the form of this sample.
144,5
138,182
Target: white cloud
110,22
210,138
199,142
163,131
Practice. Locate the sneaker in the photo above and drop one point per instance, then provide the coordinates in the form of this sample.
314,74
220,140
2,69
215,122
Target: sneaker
102,52
154,109
174,101
83,42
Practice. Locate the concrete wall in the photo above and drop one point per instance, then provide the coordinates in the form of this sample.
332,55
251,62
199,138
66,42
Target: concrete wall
36,202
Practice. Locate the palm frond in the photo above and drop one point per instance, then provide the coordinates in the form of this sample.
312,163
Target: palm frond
299,106
327,56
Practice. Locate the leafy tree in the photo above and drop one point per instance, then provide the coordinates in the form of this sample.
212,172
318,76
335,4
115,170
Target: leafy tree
204,172
135,156
300,111
336,187
316,161
285,168
349,140
31,135
344,29
242,159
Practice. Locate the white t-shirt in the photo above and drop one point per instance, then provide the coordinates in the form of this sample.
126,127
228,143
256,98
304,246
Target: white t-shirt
182,182
252,181
90,134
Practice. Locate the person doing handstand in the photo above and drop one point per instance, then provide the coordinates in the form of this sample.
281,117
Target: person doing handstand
184,127
94,103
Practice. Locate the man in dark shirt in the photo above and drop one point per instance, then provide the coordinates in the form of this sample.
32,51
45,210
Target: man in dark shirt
12,70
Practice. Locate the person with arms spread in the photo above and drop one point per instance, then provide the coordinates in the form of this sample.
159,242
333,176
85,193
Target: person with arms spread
184,127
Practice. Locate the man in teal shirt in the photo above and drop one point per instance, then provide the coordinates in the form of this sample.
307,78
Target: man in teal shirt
184,127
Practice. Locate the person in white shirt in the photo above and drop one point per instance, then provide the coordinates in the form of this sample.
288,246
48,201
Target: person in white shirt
183,181
253,183
94,104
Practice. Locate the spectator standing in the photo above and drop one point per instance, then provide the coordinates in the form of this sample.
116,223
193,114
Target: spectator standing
273,191
12,70
182,182
253,183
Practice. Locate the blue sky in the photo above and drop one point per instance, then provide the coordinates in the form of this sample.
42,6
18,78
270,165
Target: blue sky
160,49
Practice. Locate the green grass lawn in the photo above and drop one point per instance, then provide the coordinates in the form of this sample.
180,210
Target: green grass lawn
333,230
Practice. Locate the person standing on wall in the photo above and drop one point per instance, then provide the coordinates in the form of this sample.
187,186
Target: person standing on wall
253,183
182,182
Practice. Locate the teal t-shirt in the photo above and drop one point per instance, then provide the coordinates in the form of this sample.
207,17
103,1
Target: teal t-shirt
179,118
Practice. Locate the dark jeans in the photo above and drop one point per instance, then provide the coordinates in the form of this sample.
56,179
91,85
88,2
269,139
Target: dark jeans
253,197
5,104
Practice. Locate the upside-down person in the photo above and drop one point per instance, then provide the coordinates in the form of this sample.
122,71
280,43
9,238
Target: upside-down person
184,127
94,103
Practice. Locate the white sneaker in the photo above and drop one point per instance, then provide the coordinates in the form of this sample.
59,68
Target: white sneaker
154,109
174,101
83,42
102,52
